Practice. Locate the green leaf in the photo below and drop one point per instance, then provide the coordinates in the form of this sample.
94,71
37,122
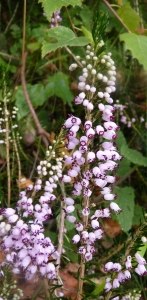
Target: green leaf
88,34
64,37
142,249
138,217
58,85
99,288
134,156
129,17
37,96
51,6
120,139
124,167
86,15
33,46
126,201
137,44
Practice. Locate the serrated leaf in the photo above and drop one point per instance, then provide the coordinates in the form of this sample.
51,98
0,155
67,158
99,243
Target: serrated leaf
88,34
134,156
125,201
64,37
138,217
37,96
58,85
137,44
120,139
51,6
124,167
129,17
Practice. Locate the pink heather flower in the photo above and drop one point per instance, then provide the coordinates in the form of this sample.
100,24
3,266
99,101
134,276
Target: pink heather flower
101,106
128,263
127,274
140,259
84,235
82,250
69,209
72,173
84,182
13,218
116,267
9,212
69,201
66,178
108,287
110,179
98,233
108,266
106,190
26,261
88,256
141,270
91,237
77,154
109,197
76,239
116,283
96,171
86,211
90,133
109,135
78,100
79,227
71,219
99,130
88,125
99,182
115,207
121,277
106,213
83,140
90,156
95,224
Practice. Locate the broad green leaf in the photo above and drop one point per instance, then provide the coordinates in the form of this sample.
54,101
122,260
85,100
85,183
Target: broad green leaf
51,6
99,288
134,156
37,96
64,37
137,44
124,167
58,85
88,34
126,201
129,17
138,217
142,249
120,139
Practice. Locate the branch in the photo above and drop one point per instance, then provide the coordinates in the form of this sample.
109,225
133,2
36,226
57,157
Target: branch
116,15
40,130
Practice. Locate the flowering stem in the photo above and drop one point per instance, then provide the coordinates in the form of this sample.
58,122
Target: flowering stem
61,231
130,242
7,143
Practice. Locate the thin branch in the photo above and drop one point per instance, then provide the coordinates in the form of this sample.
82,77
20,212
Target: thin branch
116,15
78,62
11,20
7,144
45,135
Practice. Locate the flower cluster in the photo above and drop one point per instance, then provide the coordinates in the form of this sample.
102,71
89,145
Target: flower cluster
90,168
22,229
56,19
123,272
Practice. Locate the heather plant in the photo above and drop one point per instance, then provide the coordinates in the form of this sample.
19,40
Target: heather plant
79,180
